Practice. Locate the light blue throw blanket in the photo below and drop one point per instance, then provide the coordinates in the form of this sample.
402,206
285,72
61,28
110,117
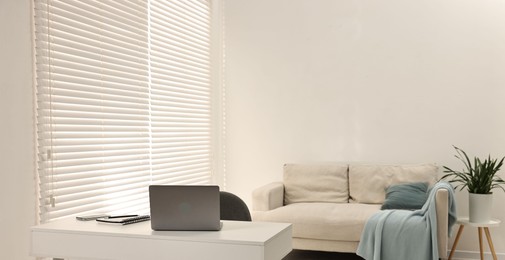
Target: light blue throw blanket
403,234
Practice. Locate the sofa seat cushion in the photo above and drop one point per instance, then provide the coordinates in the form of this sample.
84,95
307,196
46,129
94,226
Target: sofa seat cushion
325,221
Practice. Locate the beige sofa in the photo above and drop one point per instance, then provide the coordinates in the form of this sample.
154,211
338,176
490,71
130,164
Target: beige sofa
329,204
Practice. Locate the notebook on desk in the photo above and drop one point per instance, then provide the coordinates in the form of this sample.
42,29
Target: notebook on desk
184,207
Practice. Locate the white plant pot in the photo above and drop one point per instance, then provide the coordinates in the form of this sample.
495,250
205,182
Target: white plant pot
480,206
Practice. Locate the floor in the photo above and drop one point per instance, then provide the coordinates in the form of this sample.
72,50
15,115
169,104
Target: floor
317,255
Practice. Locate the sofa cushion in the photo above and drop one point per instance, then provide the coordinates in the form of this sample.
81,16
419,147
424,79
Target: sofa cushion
322,221
406,196
315,183
368,183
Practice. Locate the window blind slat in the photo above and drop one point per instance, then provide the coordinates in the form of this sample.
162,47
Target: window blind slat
181,173
67,49
183,18
195,44
181,82
177,59
177,92
100,15
101,204
133,166
68,192
163,87
178,70
108,44
136,91
133,170
92,71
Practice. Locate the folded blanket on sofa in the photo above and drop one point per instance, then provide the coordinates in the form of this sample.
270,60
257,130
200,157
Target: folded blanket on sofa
403,234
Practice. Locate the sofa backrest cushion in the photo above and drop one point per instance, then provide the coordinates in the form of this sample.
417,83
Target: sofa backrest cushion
316,183
368,183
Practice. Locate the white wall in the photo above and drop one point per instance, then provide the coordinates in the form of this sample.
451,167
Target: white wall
17,186
394,81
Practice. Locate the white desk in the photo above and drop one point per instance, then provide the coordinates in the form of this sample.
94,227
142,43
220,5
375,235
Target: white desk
74,239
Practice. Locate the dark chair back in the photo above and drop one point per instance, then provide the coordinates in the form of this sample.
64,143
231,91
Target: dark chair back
233,208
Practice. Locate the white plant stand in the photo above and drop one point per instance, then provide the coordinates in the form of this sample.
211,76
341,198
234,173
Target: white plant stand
466,222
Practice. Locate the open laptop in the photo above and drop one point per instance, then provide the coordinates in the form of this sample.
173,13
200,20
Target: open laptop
184,207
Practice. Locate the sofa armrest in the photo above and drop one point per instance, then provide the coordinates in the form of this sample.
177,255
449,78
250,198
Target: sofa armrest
268,197
442,207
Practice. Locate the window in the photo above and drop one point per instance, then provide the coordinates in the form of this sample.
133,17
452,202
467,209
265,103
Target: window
123,96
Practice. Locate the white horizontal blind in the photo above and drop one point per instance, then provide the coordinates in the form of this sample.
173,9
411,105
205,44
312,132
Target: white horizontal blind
106,129
180,91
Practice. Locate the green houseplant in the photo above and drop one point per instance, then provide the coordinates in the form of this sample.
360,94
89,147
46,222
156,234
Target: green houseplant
479,178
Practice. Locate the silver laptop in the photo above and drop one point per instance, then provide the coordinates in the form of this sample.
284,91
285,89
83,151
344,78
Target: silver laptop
183,207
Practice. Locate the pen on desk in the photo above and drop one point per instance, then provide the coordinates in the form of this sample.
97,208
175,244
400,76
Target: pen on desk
123,216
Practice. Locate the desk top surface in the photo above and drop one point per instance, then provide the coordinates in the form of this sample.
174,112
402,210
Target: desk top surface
239,232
